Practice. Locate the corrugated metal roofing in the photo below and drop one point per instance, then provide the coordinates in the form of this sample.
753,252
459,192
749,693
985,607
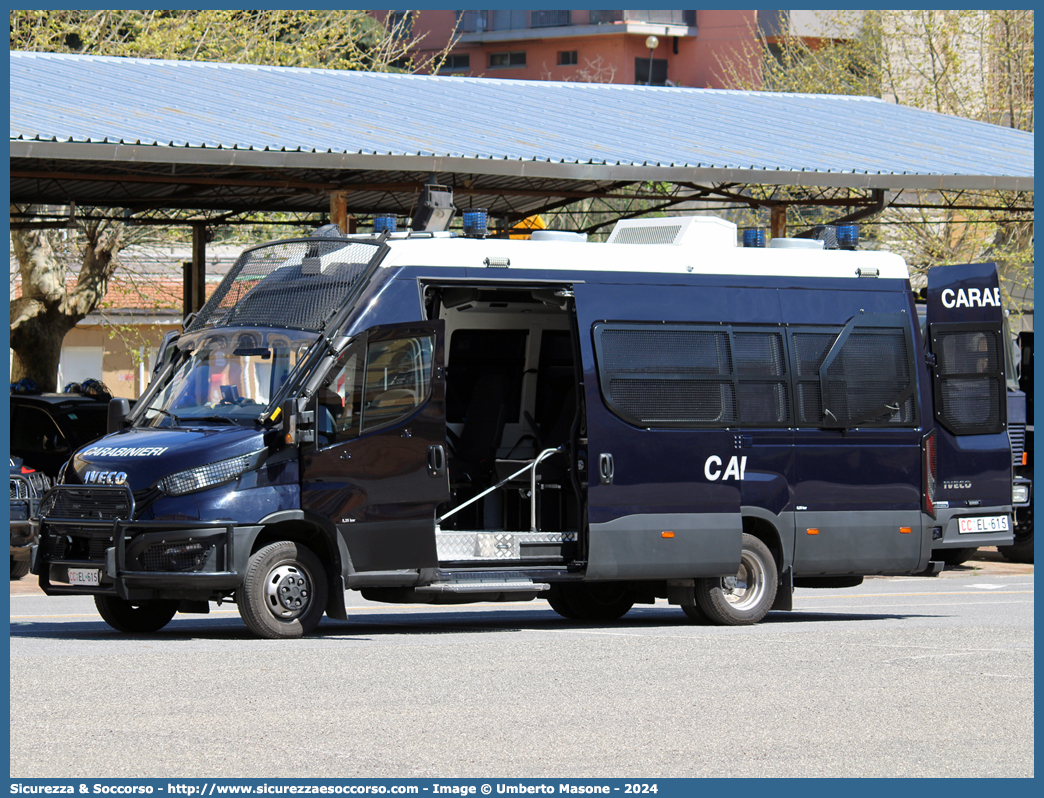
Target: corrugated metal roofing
318,119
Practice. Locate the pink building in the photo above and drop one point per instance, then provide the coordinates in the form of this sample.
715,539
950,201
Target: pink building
591,46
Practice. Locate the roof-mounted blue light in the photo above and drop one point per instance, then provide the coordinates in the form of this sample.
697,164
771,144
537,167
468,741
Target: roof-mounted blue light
754,237
384,223
475,220
848,236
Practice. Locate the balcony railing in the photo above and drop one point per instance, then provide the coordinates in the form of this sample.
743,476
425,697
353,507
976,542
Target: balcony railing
550,19
654,17
511,19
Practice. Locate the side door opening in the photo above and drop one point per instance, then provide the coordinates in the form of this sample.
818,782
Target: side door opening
514,422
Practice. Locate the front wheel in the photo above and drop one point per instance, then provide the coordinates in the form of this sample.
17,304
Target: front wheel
140,617
284,591
746,597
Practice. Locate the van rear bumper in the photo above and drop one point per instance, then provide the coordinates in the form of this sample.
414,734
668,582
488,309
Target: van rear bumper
948,520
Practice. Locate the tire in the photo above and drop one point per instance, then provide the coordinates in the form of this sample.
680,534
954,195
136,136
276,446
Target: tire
559,603
695,614
139,617
284,591
953,556
1019,551
19,568
745,598
598,601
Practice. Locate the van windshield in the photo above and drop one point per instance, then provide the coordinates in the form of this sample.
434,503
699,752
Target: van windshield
227,376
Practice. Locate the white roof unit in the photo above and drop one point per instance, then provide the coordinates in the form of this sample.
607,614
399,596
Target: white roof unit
704,231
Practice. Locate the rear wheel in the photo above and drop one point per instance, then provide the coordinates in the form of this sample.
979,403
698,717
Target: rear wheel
1019,551
746,597
284,591
597,601
953,556
559,603
19,568
694,613
139,617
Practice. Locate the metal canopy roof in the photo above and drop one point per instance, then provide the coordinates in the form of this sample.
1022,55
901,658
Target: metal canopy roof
142,134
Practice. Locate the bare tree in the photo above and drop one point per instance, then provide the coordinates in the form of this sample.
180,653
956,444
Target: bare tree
975,64
50,303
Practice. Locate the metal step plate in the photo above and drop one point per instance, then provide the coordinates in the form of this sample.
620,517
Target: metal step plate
456,546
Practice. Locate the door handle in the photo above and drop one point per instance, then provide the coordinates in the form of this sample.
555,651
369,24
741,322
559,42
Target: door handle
436,460
606,468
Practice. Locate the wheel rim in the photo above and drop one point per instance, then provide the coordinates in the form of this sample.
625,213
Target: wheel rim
288,591
745,590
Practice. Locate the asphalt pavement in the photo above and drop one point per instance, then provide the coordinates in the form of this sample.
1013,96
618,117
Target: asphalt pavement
900,677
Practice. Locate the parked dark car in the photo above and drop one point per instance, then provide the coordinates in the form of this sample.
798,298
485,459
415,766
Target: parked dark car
46,428
27,486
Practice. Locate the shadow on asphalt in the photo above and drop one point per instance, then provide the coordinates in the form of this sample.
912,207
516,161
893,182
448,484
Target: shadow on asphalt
419,623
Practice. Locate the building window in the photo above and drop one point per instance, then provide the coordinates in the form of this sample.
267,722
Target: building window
506,60
457,62
659,72
567,58
400,24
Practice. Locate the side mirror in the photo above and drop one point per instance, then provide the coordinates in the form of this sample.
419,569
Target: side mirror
119,409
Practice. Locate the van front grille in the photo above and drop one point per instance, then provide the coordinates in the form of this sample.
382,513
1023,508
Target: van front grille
87,504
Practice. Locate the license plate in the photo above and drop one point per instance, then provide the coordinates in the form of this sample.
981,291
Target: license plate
987,523
84,576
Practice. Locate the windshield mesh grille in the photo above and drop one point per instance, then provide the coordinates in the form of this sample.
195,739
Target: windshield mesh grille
291,284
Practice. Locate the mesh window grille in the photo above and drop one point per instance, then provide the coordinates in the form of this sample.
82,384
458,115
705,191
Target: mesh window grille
726,376
666,352
675,401
868,382
969,379
675,376
760,356
293,284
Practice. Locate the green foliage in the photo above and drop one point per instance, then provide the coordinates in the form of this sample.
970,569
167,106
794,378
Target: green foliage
328,39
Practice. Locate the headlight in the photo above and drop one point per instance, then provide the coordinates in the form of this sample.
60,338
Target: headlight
207,476
1019,494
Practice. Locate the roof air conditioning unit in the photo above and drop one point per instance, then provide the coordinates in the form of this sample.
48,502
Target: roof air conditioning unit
688,231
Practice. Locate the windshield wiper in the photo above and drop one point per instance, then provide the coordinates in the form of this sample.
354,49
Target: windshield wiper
167,413
225,419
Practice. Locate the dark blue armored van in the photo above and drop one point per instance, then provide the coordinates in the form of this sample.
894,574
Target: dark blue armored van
439,419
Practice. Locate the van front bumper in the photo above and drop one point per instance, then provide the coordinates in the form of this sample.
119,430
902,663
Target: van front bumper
138,560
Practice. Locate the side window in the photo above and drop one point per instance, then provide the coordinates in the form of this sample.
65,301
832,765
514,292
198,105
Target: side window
761,368
339,398
969,378
667,376
864,378
397,379
727,376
